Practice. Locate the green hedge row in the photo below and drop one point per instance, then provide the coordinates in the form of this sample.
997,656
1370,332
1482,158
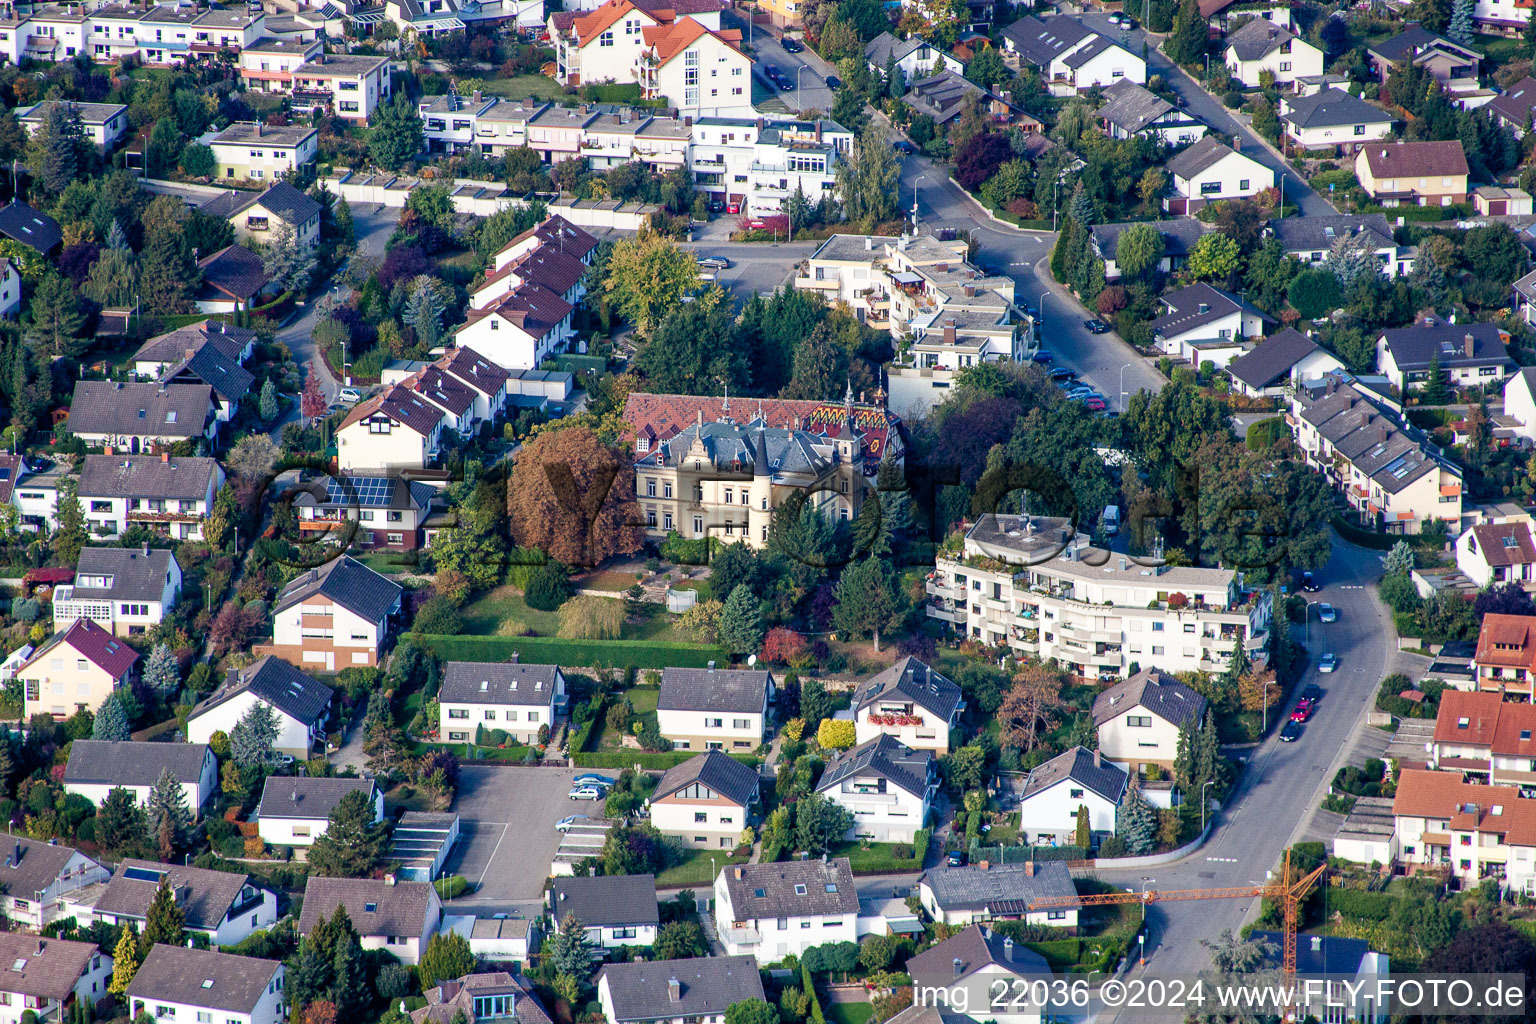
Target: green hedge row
1360,904
550,650
650,761
1058,953
584,734
1364,538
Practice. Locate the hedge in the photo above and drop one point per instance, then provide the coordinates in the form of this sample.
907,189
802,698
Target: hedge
1360,904
584,734
1364,538
651,761
1058,953
549,650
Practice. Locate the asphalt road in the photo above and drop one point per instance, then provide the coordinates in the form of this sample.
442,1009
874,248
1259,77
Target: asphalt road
807,70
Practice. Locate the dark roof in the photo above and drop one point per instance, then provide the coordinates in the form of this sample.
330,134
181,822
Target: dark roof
441,389
172,347
1205,152
1331,107
104,650
155,410
1039,42
606,901
732,690
226,204
289,203
147,476
229,380
640,990
357,491
402,406
1155,690
132,762
791,888
1515,104
487,682
235,271
882,757
1179,236
277,683
303,796
1318,954
451,997
1257,39
1272,358
29,867
1129,106
202,977
1092,48
44,968
20,222
474,369
209,895
349,583
1078,764
1413,39
1413,347
1415,159
1195,306
398,909
1300,234
137,574
715,770
1370,436
915,681
1002,889
975,947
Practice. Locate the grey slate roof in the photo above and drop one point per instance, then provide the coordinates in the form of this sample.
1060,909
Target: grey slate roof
1203,154
1411,41
398,909
1257,39
88,113
730,690
1272,358
155,410
718,771
1329,108
21,223
1104,778
289,203
203,978
147,476
43,968
976,947
349,583
606,901
245,133
137,575
707,986
1516,103
1158,692
132,763
1179,236
234,270
210,894
915,681
1005,890
275,682
36,867
229,380
227,204
943,95
882,757
1302,234
486,682
1089,50
1129,106
172,347
792,888
1375,442
303,796
1039,42
880,50
1195,306
1413,347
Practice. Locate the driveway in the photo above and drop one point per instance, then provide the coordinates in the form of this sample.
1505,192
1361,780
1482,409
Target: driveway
805,69
755,266
507,829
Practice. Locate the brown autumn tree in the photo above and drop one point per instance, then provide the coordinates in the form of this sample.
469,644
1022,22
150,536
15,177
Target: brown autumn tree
312,398
321,1011
573,497
1029,705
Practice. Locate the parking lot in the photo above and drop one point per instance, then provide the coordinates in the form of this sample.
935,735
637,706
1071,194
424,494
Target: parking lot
507,834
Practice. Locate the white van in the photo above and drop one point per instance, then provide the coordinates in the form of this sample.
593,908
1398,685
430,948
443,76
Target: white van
1110,521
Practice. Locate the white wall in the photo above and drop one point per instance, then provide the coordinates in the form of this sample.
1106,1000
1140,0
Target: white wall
1066,918
521,721
293,736
1053,810
736,732
890,817
269,1009
796,936
1127,744
932,734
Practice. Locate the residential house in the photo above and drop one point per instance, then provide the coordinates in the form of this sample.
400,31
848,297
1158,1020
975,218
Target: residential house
601,45
252,151
910,702
393,430
32,228
1223,14
179,985
519,330
1414,173
233,279
1210,171
1334,975
1514,107
1494,554
160,354
1454,66
75,670
451,122
103,123
677,991
494,995
125,590
888,787
1520,398
350,86
333,616
544,265
50,978
1138,721
300,705
1054,792
169,495
1278,362
489,382
206,364
96,767
676,57
1506,653
10,287
613,910
1389,474
775,909
1476,831
397,917
1068,56
37,875
1036,892
757,163
367,512
135,417
262,216
493,938
945,95
707,801
1095,612
1310,239
916,57
1484,737
1469,355
696,704
520,700
223,906
1261,46
268,64
1333,119
1129,110
1202,324
294,811
1179,238
964,973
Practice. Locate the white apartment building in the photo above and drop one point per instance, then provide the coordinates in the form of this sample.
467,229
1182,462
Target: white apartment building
911,703
601,45
1478,831
714,709
773,910
757,163
268,64
172,496
887,786
260,153
520,700
178,985
1029,583
103,123
352,86
696,69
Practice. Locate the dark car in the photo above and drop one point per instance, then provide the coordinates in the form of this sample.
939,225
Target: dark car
786,83
1312,692
792,45
717,206
1045,355
1060,373
957,858
1096,326
1127,23
1291,733
833,82
1309,582
904,147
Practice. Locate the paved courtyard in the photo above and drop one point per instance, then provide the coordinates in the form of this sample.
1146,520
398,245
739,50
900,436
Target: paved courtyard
507,831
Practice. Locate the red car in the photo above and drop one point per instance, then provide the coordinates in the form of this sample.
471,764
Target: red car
1095,405
1303,710
733,208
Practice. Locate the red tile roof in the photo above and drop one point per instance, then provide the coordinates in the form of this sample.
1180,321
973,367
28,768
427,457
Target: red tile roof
399,404
1507,640
1480,712
533,308
475,370
592,24
670,40
101,648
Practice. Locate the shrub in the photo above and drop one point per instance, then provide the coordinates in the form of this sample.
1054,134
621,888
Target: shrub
439,616
1022,208
1233,100
835,734
548,588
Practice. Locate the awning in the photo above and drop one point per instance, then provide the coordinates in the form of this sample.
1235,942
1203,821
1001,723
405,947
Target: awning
440,24
372,17
906,278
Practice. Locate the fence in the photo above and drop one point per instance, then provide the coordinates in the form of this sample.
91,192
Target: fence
1020,854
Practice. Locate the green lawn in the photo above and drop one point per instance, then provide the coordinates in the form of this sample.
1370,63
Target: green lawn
1499,49
524,87
878,858
385,562
484,615
697,869
848,1013
643,699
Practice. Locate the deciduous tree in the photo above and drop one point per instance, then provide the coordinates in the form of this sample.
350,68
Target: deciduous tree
647,276
1032,702
573,498
868,599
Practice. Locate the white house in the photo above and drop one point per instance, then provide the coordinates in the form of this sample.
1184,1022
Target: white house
1201,324
103,123
520,700
10,288
124,590
260,153
1129,110
296,810
392,430
519,330
1138,720
224,906
133,417
1069,56
916,57
350,85
1036,892
910,702
299,703
178,985
706,801
96,767
1470,354
673,64
36,876
772,910
1261,46
48,978
1520,399
332,617
398,917
1278,362
714,709
259,216
1475,830
1334,119
694,991
1309,239
963,974
157,356
1055,790
1210,171
888,787
613,910
1334,975
170,495
1492,554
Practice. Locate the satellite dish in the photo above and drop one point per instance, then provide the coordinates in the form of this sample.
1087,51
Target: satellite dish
752,661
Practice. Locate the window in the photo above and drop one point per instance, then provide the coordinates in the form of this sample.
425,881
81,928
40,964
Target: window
699,817
1359,129
301,831
714,723
1056,915
490,716
650,488
1075,794
1210,188
1285,65
606,39
458,712
1139,721
741,723
1242,185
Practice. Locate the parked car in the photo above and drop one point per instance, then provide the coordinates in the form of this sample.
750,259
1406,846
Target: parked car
1096,326
716,206
715,263
902,145
1061,373
594,779
733,207
957,858
1291,733
587,793
349,395
1095,404
1309,582
792,45
1045,355
1302,711
833,82
1328,662
1312,692
1114,19
1327,612
570,821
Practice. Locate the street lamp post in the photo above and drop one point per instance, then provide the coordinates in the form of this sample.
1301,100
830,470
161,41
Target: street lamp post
1122,386
1055,202
797,78
1145,881
1202,806
920,177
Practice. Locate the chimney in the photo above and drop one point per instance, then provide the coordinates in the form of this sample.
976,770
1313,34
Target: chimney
818,131
1098,759
389,879
737,871
39,947
476,95
1466,345
1007,948
107,449
949,334
165,456
258,123
513,659
759,125
984,865
1317,943
674,989
959,966
16,855
1029,869
869,243
711,666
1237,143
294,796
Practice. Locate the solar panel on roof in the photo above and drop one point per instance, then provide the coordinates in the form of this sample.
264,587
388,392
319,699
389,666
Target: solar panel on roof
143,874
360,490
